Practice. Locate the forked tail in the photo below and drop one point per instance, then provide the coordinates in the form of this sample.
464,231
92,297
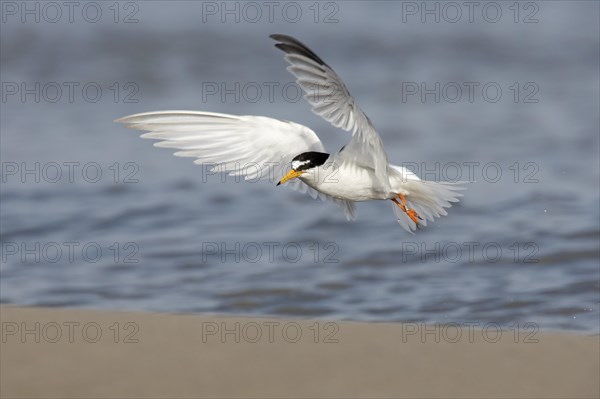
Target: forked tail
420,201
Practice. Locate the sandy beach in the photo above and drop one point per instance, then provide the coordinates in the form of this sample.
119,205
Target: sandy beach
81,353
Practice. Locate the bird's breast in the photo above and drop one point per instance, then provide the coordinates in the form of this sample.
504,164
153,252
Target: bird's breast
345,181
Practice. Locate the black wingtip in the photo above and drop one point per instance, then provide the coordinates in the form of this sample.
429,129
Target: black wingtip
279,37
278,184
291,45
282,46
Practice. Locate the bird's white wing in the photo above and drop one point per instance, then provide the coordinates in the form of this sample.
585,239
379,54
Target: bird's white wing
250,146
329,98
255,147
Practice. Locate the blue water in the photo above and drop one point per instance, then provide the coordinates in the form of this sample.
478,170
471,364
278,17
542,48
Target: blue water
522,245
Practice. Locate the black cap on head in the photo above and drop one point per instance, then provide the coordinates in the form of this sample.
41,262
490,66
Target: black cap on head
308,160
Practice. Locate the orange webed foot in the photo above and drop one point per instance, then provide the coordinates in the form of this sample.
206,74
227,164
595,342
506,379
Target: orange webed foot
412,214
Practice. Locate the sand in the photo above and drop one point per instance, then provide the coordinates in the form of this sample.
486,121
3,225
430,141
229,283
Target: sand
63,353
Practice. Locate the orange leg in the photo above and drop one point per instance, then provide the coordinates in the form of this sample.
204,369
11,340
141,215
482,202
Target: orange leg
412,214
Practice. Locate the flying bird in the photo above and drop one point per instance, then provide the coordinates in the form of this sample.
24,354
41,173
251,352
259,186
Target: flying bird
360,171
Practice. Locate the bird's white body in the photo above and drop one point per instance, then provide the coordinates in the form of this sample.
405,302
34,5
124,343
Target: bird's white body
346,180
359,172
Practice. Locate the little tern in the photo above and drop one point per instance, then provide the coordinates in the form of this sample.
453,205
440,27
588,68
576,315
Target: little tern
360,171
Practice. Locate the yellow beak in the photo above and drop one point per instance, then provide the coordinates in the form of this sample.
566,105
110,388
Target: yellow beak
292,174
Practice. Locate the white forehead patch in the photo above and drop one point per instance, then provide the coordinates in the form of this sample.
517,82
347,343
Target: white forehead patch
298,164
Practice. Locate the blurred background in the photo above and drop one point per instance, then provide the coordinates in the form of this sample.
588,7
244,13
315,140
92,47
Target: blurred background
503,94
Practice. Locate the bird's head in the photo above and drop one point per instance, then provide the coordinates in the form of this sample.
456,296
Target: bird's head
304,163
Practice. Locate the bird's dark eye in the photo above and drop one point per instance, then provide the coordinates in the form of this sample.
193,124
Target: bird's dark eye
308,160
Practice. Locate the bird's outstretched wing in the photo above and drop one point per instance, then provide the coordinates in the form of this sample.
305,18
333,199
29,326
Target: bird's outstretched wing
255,147
329,98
